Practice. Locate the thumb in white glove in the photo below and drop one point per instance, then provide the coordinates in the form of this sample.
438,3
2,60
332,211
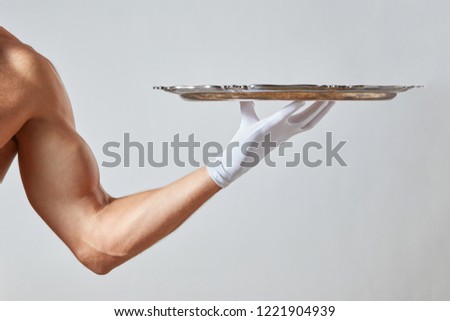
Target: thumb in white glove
247,149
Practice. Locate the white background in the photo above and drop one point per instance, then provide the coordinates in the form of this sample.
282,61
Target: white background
376,230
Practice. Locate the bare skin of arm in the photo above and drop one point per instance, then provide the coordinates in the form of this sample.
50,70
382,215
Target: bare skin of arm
7,155
60,173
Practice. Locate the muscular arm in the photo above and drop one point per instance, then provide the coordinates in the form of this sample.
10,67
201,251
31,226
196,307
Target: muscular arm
7,155
61,177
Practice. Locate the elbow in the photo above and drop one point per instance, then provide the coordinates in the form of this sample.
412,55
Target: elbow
101,251
100,269
97,262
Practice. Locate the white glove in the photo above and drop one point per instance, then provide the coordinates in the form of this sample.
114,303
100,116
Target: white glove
245,149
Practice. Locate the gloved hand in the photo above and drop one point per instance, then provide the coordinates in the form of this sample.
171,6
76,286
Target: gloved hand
245,149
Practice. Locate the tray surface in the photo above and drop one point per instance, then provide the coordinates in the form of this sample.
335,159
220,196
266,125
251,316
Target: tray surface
285,92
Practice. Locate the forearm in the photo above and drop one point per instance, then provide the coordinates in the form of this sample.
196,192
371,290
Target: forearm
129,225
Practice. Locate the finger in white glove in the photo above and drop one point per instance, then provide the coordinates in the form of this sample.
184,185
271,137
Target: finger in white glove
245,149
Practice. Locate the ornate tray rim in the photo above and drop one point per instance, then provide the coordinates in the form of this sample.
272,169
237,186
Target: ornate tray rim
285,92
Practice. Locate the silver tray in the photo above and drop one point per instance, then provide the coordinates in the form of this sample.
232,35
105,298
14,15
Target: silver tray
286,92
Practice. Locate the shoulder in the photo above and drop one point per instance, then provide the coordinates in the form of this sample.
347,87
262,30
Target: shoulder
26,77
21,60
